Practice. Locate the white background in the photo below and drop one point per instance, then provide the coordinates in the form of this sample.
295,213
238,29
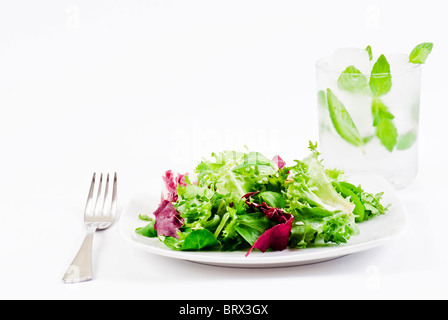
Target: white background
144,86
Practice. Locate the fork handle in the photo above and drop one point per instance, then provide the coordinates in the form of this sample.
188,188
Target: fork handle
81,268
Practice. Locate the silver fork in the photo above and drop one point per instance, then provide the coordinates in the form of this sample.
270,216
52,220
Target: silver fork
98,215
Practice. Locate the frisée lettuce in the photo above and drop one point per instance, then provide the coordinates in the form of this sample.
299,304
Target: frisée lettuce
245,201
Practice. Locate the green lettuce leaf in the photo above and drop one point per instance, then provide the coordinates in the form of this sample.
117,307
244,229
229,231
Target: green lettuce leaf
234,173
252,226
321,214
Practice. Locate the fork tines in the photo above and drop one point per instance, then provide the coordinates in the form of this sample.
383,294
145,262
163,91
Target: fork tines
103,205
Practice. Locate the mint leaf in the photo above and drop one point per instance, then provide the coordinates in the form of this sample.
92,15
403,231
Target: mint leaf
380,112
367,139
321,99
407,140
380,78
420,53
385,128
387,133
342,121
369,51
352,80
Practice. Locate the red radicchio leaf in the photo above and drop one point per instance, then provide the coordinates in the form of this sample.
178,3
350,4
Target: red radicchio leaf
168,220
279,161
171,184
274,214
276,237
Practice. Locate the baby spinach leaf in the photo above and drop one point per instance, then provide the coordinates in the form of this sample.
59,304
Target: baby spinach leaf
272,199
148,230
347,190
342,120
199,239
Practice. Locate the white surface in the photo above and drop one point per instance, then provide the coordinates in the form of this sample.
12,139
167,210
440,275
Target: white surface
372,234
144,86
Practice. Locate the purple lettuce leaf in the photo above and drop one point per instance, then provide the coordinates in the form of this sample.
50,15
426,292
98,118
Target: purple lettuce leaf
279,162
171,184
275,238
168,220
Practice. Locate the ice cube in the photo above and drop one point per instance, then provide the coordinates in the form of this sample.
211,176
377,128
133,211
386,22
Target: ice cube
345,57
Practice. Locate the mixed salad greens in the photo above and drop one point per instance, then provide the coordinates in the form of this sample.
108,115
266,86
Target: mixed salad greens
244,201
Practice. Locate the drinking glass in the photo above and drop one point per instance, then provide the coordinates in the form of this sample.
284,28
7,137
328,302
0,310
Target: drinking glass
368,123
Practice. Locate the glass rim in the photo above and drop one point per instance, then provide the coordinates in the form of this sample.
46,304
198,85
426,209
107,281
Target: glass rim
319,66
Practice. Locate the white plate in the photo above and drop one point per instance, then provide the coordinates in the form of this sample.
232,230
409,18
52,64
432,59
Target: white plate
372,234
